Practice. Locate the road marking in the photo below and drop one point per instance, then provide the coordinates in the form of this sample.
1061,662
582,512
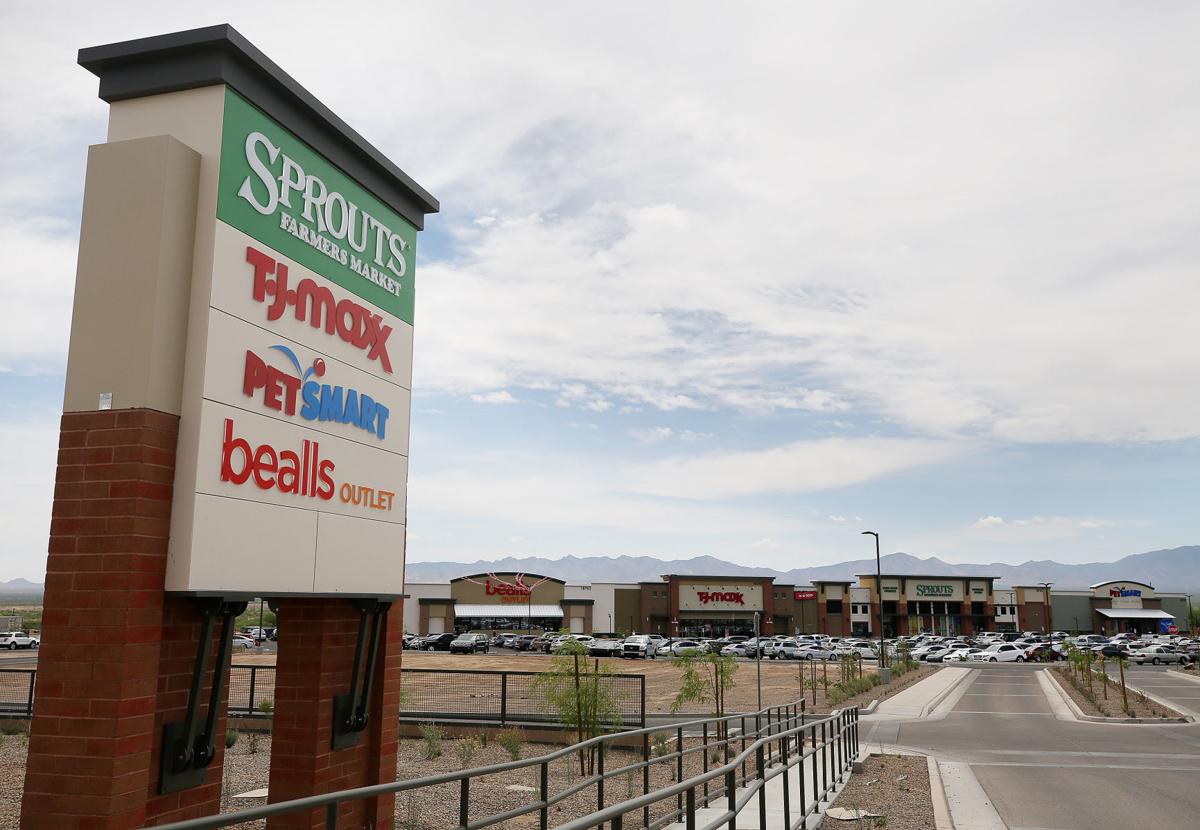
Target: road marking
1086,754
1085,766
969,712
993,694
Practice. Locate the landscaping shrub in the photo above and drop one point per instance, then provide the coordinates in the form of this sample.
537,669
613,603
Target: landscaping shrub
510,739
231,738
432,735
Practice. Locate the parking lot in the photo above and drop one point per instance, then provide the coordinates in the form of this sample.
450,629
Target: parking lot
1045,774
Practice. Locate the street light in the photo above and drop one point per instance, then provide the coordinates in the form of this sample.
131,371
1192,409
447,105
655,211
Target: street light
1046,625
879,592
758,658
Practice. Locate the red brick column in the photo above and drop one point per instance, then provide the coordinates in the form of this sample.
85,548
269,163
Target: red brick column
315,662
97,710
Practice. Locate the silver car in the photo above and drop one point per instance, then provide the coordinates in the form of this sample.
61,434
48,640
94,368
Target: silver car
1157,655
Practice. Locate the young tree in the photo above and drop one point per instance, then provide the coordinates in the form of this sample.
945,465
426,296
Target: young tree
583,697
706,679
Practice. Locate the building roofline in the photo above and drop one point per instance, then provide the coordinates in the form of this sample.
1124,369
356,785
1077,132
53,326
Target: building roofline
926,576
1123,581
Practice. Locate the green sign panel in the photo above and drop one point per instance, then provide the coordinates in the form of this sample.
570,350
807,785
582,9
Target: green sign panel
935,590
277,189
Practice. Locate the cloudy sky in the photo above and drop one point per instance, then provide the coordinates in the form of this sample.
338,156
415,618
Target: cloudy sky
715,283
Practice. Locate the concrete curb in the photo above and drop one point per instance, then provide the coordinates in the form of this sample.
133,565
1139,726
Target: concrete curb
1065,708
870,708
1195,678
932,705
937,794
969,805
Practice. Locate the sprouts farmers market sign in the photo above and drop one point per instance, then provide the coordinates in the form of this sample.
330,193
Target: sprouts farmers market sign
275,188
301,440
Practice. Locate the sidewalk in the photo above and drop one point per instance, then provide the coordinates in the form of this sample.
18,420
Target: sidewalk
919,700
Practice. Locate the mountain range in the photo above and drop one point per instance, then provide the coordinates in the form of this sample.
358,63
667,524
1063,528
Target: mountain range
1176,569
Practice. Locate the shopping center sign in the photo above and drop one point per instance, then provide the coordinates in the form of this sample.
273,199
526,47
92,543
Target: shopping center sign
298,434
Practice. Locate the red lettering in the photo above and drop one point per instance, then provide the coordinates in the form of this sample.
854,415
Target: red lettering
255,375
325,492
263,266
230,444
265,461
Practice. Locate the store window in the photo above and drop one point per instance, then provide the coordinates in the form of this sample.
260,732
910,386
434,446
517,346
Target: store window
834,606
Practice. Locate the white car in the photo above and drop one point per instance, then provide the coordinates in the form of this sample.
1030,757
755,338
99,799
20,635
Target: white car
960,655
243,641
14,640
1000,653
679,647
815,652
1158,654
866,652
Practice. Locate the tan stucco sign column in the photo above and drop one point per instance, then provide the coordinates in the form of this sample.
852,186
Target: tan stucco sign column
235,425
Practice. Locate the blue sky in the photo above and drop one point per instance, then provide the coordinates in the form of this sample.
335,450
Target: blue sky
740,287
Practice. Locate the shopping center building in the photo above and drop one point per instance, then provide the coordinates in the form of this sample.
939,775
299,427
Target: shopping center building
685,605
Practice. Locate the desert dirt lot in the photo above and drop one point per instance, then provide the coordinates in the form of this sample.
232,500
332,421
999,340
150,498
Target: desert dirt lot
781,679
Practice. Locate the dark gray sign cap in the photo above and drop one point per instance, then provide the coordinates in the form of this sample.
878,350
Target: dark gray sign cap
221,55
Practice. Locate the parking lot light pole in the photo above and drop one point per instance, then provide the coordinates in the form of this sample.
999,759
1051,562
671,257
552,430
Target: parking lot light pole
758,657
879,591
1047,627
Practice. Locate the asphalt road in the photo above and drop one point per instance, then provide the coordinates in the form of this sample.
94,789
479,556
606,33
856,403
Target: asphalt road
1045,774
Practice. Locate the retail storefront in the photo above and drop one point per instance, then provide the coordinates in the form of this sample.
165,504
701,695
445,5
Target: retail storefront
914,604
499,602
1129,607
716,606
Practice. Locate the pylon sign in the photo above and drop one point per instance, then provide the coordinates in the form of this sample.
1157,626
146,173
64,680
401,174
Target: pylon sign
296,371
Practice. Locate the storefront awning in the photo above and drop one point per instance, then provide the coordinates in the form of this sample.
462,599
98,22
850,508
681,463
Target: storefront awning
516,609
1135,614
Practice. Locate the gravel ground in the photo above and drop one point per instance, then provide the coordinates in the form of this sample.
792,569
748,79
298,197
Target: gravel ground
436,808
895,787
12,778
781,679
1111,708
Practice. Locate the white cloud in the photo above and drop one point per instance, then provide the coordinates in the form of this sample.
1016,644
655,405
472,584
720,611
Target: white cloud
502,396
838,519
802,466
26,493
1041,528
652,435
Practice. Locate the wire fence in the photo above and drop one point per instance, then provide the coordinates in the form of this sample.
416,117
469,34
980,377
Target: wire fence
429,694
16,692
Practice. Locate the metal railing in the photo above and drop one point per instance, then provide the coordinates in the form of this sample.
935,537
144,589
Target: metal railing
750,751
429,695
507,696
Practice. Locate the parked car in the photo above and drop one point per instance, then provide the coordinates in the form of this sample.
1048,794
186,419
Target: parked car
1118,649
960,655
1157,655
604,648
1000,653
243,641
815,652
640,645
679,647
17,639
858,650
557,644
438,642
469,644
